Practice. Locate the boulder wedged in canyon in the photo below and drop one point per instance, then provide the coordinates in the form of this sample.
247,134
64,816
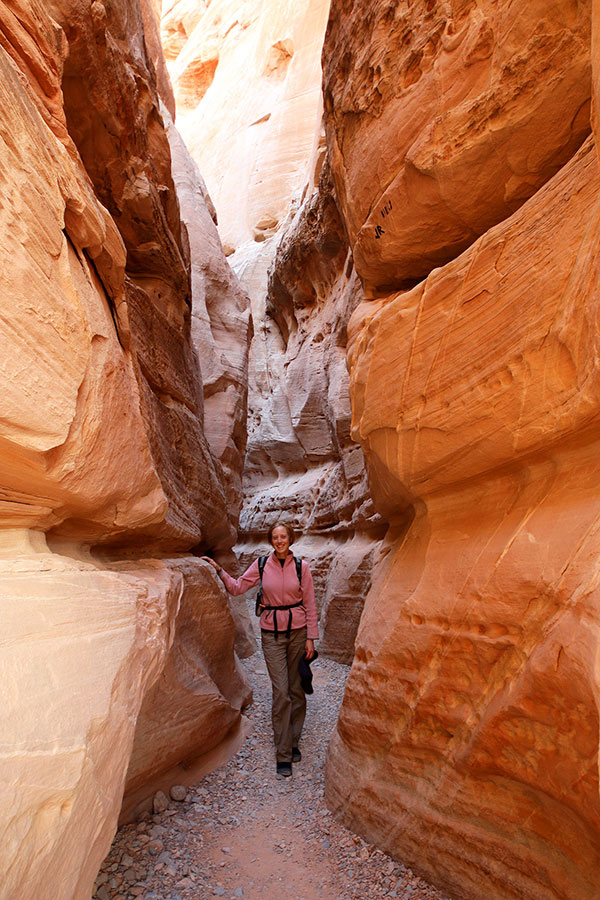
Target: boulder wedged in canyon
101,440
443,118
468,739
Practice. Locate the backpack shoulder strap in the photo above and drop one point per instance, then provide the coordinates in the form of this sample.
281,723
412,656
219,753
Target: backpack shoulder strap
262,561
298,569
258,608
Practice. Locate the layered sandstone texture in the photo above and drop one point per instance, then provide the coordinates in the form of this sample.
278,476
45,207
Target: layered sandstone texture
220,323
102,445
220,332
192,706
468,739
443,118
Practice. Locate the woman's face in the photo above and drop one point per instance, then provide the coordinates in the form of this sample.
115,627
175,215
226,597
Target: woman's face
281,541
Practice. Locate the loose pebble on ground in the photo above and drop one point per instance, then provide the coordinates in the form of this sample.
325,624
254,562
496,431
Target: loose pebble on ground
243,832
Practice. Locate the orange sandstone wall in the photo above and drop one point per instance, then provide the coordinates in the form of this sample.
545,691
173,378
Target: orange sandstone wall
103,450
442,118
467,743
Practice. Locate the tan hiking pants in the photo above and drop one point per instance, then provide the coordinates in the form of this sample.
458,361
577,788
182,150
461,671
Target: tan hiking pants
289,700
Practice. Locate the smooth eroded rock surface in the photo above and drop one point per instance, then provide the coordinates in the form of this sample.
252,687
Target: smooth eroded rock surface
470,718
102,443
202,689
443,118
81,645
254,148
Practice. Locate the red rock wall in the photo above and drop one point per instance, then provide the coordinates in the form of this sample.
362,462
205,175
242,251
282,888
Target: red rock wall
467,744
103,450
442,118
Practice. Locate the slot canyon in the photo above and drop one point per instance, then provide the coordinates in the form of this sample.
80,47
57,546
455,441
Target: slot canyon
334,262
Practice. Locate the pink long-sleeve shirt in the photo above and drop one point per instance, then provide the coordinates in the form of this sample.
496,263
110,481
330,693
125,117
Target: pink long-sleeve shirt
280,588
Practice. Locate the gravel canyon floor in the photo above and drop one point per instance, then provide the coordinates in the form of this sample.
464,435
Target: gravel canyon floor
242,832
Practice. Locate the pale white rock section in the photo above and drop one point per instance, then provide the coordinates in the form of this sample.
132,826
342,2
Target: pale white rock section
109,681
247,80
81,644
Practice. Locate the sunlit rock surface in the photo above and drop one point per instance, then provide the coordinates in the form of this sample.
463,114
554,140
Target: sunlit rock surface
442,118
101,444
468,740
253,147
81,645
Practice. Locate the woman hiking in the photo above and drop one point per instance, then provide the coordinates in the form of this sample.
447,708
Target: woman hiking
288,625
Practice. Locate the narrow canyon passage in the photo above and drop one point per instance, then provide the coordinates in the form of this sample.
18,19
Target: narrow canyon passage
336,263
242,832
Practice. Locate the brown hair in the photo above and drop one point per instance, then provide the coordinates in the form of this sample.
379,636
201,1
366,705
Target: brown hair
288,528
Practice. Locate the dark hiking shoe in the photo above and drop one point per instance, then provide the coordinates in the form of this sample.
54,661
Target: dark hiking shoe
296,755
284,769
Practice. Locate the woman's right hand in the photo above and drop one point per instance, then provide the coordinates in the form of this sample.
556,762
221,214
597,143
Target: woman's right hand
214,564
